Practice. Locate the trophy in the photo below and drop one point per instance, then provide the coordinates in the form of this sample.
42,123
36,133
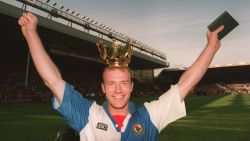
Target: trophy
116,56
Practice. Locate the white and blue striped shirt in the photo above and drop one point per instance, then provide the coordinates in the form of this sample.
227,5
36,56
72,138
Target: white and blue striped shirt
94,123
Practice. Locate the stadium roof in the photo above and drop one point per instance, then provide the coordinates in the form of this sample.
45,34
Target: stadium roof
226,74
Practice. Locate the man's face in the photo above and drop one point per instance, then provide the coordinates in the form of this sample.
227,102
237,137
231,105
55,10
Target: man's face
117,86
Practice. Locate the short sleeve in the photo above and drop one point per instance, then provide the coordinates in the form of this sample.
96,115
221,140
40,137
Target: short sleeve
74,108
166,109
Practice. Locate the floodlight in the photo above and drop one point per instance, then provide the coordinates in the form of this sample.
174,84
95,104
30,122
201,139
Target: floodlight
55,4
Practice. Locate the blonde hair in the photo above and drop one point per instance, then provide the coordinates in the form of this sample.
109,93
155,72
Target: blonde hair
109,68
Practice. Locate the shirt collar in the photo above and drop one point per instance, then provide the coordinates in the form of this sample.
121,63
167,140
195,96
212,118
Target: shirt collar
131,107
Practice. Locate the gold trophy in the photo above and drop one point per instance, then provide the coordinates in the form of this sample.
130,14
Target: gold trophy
116,56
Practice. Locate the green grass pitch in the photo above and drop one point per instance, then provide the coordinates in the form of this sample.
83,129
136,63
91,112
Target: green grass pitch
209,118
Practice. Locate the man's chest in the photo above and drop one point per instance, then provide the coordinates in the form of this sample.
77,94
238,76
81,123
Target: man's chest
103,127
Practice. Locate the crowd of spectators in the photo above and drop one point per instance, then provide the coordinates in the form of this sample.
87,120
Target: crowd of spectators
238,88
215,89
15,88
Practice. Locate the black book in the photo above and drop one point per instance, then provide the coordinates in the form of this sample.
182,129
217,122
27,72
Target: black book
224,19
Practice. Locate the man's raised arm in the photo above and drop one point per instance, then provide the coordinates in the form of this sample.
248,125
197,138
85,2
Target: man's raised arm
194,73
44,65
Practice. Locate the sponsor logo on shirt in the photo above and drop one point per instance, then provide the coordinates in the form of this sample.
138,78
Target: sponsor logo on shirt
138,129
102,126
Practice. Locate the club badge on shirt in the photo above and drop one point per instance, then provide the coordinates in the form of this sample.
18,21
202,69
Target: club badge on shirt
138,129
102,126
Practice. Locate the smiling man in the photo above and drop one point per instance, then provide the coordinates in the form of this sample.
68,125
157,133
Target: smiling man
117,89
117,119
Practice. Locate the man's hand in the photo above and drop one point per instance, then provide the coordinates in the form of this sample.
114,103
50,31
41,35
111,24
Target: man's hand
212,38
28,23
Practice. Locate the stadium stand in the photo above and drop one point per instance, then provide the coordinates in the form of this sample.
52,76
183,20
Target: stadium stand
73,51
228,79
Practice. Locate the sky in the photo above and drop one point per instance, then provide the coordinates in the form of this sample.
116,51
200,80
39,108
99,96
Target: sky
175,27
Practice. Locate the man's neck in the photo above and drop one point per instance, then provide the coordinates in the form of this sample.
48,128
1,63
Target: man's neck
123,111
